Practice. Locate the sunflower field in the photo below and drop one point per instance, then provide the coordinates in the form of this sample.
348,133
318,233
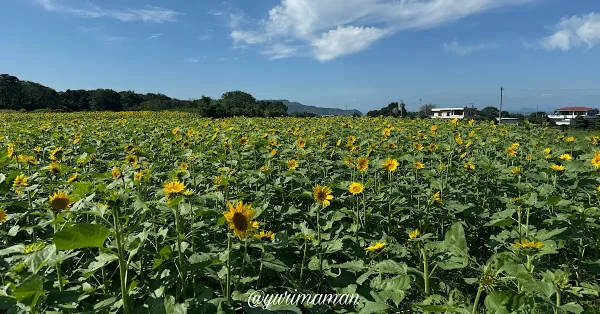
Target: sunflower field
167,212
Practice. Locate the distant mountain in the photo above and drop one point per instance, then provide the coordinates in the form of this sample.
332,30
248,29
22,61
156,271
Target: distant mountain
294,107
525,111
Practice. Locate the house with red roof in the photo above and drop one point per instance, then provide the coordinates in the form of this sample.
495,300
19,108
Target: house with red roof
564,116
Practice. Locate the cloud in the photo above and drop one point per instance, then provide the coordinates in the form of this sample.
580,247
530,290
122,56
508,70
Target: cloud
575,31
154,36
99,33
457,48
330,28
208,33
193,60
149,14
345,40
279,51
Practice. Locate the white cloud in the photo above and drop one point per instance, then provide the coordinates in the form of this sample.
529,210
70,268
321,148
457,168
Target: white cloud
345,40
462,50
334,28
99,33
193,60
154,36
149,14
574,31
279,51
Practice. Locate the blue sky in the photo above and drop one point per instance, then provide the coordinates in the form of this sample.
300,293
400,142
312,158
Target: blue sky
329,53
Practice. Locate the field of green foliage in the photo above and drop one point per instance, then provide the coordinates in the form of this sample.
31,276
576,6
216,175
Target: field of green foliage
141,212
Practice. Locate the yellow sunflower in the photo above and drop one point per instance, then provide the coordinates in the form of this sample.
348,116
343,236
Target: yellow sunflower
59,201
469,166
56,154
532,245
264,169
362,164
174,187
566,157
356,188
419,165
241,219
378,246
322,194
132,159
2,215
115,173
72,178
292,164
54,168
437,197
243,140
20,180
11,149
558,168
414,234
596,160
301,143
390,164
265,235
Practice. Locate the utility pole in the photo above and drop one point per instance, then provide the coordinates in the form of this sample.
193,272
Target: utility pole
500,113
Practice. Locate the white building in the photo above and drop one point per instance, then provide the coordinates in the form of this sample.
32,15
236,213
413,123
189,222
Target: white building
453,113
564,116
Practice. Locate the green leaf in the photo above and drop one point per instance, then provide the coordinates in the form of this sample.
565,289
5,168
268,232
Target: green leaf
572,308
81,236
29,291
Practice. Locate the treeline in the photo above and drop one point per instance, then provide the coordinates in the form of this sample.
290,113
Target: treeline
19,95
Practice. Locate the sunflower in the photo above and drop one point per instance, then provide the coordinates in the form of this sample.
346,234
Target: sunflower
301,143
72,178
566,157
470,166
56,154
11,149
265,235
115,173
547,150
264,169
129,148
437,197
292,164
558,168
322,194
362,164
516,170
390,164
378,246
59,201
569,139
20,181
596,160
54,168
243,140
356,188
419,165
273,152
138,176
34,247
174,187
241,219
414,234
531,245
2,215
132,159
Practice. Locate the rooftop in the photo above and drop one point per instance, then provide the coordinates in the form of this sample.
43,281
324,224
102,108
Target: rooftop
444,109
574,109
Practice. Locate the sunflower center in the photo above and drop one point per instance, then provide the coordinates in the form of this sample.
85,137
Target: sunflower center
321,195
60,203
240,222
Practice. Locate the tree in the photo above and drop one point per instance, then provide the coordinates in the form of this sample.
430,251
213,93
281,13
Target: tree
489,113
403,112
106,99
130,100
10,92
425,111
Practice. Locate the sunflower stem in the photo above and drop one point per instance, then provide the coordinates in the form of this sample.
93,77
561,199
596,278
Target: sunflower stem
122,261
182,273
477,298
228,282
